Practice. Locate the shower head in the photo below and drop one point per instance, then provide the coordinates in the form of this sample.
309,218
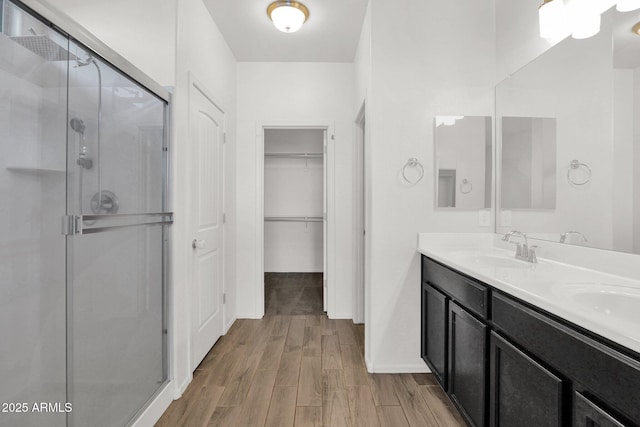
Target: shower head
77,125
43,46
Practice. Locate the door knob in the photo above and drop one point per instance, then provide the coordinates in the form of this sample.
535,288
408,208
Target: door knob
198,244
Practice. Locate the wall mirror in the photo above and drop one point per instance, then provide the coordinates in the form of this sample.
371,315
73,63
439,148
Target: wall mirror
587,94
463,162
528,163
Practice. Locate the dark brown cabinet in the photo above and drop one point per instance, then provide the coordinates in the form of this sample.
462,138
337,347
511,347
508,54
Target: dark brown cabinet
454,337
588,414
434,332
523,392
467,364
507,363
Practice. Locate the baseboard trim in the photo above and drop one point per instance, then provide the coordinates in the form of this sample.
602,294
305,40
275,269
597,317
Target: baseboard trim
342,316
368,365
252,316
156,408
228,326
397,369
181,389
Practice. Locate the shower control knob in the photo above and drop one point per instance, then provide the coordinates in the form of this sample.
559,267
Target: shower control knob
198,244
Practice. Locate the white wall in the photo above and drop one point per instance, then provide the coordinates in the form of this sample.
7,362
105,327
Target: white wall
142,31
636,161
623,160
362,61
423,65
293,94
517,35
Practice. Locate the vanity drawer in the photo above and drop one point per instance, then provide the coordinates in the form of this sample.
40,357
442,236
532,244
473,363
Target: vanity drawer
604,372
467,292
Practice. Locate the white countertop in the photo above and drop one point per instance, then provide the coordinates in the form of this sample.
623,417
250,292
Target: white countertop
605,303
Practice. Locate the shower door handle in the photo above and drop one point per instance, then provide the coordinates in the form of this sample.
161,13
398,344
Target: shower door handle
198,244
84,224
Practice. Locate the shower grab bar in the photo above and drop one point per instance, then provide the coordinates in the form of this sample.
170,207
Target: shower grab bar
75,224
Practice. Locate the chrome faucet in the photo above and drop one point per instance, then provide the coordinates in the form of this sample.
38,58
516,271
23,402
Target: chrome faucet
523,250
563,237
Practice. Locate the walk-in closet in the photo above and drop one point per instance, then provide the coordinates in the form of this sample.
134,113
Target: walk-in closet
294,228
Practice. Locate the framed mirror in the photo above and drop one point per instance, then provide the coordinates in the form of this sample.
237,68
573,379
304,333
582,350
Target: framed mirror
463,162
586,93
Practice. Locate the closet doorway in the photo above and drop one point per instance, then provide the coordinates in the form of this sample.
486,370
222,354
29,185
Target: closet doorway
295,231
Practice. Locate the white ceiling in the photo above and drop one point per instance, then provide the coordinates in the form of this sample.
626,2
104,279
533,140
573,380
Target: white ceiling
331,33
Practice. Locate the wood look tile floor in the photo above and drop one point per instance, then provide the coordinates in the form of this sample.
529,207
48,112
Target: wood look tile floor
293,293
303,370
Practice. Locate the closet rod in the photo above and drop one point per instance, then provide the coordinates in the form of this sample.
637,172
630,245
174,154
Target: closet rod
295,155
293,218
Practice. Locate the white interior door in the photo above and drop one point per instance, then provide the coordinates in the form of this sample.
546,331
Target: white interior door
207,137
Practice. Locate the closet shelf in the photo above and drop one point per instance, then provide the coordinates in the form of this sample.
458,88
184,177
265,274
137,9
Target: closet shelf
293,218
295,155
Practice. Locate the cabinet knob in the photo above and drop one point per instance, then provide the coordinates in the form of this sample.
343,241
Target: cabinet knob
198,244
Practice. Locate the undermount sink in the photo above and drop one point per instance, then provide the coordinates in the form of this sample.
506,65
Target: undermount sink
616,302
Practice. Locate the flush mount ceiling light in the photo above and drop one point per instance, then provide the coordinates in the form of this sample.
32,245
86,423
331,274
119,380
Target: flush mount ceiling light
288,16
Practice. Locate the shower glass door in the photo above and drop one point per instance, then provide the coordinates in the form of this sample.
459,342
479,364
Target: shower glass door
83,161
116,158
33,100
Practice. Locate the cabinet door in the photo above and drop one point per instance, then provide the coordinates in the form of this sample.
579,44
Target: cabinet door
588,414
434,332
522,391
467,364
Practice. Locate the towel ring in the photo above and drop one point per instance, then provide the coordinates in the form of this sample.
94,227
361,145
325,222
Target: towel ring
575,165
466,186
412,162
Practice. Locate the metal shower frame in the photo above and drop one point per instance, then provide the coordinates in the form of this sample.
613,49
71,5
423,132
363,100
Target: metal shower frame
80,35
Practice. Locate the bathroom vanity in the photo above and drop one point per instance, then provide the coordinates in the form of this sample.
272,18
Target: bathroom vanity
522,344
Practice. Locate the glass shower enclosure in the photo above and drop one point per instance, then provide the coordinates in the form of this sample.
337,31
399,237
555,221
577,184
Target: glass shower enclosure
83,231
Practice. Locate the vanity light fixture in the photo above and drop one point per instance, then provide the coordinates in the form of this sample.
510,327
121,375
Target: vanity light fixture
551,15
288,16
584,18
580,18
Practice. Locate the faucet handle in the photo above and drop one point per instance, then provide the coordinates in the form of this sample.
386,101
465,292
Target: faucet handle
531,256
